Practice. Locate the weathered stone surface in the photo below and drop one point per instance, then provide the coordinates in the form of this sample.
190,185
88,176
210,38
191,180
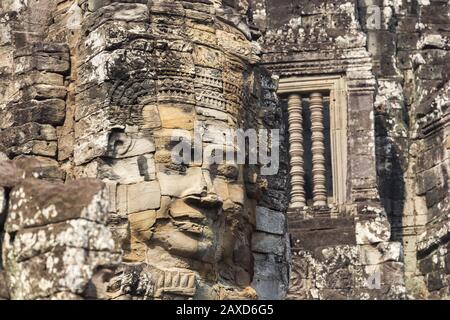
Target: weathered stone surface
141,71
55,237
268,281
270,221
31,131
268,243
143,196
128,170
309,234
384,251
372,231
152,282
177,116
49,111
35,203
182,184
46,275
13,172
87,149
97,88
151,117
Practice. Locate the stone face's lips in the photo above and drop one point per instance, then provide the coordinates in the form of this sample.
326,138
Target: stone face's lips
209,201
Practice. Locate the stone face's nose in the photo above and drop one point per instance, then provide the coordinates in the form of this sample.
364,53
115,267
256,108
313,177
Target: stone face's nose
190,183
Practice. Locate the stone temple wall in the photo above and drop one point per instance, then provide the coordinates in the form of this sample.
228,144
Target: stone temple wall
349,254
400,50
92,93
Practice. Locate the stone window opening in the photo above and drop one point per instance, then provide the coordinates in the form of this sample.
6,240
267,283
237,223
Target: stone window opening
317,122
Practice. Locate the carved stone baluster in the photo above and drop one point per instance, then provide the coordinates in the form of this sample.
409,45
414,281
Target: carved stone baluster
318,150
296,151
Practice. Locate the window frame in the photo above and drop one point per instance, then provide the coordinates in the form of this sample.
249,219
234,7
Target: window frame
336,87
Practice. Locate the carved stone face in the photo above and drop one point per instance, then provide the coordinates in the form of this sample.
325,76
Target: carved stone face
193,228
193,216
157,74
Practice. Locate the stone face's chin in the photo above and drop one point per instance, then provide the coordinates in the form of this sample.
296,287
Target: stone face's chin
177,243
189,228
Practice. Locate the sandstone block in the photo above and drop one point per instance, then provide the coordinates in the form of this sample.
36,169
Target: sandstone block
41,63
88,148
269,289
50,111
429,179
111,187
236,193
44,148
268,243
13,172
211,113
36,202
136,12
48,273
4,292
141,224
79,233
56,235
270,221
151,117
45,91
128,170
177,116
163,211
392,273
221,188
179,209
31,131
271,277
37,77
143,196
10,174
65,146
122,200
181,185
